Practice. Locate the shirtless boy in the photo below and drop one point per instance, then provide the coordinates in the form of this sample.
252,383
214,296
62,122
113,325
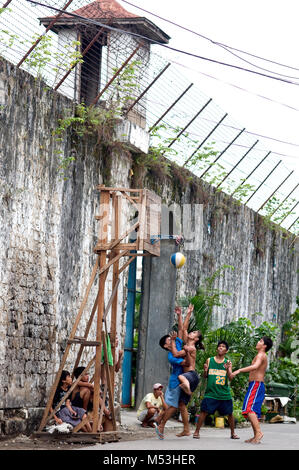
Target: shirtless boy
256,390
189,379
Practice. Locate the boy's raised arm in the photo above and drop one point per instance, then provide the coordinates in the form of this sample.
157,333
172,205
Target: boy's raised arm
174,350
178,311
187,321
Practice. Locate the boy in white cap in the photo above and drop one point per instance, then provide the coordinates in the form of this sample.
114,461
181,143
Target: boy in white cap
152,407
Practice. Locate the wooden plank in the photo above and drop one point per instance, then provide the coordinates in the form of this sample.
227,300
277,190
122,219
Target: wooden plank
142,220
152,222
124,235
82,437
106,266
103,235
115,280
127,190
88,326
126,264
83,342
121,246
81,424
131,199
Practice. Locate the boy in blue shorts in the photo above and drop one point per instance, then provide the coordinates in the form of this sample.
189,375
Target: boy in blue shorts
217,394
256,389
173,394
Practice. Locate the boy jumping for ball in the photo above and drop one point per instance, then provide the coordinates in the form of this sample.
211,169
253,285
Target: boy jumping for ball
192,341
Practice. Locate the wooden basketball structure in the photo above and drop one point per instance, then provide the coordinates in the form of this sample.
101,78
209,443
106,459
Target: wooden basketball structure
115,249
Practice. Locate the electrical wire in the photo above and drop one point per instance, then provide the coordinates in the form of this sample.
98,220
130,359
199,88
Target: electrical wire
190,54
238,87
217,43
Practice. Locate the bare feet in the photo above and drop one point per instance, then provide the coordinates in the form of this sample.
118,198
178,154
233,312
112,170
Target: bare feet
256,439
234,436
144,425
196,435
186,389
183,433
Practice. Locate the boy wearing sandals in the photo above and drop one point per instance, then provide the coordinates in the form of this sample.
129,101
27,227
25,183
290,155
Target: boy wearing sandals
217,395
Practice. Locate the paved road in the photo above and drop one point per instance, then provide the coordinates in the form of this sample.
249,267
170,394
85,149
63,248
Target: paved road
276,437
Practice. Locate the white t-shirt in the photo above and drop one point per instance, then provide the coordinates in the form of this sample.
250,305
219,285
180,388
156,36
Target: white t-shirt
150,397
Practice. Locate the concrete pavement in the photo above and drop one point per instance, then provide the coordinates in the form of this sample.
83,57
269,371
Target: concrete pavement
278,436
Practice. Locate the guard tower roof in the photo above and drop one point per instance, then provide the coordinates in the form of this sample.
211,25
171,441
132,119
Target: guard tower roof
112,13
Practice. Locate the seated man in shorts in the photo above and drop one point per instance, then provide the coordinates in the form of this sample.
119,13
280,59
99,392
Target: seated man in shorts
152,407
217,394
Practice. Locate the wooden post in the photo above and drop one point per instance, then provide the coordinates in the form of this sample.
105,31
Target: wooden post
103,237
117,212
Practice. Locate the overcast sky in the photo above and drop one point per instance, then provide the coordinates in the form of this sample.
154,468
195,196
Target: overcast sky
267,28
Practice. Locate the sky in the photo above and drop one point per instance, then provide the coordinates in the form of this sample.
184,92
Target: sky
264,28
264,106
267,28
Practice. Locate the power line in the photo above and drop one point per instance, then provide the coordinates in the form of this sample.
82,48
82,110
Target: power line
238,87
190,54
217,43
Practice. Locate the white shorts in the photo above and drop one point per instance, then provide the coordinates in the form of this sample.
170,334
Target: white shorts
143,414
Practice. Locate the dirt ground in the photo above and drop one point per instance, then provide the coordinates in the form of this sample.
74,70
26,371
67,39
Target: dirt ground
32,443
27,443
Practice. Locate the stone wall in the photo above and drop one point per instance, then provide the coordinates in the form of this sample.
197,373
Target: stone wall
48,232
47,235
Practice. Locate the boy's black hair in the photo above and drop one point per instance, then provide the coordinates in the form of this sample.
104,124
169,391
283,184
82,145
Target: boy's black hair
223,342
163,341
63,376
268,342
198,343
78,371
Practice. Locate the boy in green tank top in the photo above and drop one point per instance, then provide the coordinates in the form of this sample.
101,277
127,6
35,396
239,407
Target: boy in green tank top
217,395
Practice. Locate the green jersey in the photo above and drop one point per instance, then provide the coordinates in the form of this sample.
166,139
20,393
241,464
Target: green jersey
217,385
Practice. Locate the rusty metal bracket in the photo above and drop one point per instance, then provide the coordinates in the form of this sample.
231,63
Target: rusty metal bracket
147,88
45,32
116,75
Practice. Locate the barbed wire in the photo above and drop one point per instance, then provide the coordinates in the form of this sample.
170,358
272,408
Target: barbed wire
57,58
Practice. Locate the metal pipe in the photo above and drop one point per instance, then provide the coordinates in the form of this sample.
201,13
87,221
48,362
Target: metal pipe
206,138
170,107
275,191
293,223
45,32
247,177
116,74
7,3
129,337
263,181
190,122
220,155
284,200
237,164
289,212
147,88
